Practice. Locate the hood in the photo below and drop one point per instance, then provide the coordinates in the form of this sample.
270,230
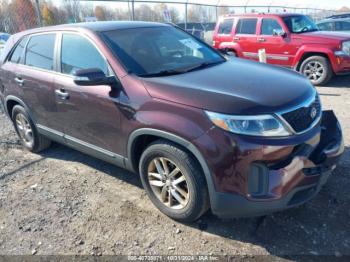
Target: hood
235,87
326,35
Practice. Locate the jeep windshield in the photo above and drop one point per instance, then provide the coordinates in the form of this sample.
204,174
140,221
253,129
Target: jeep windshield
160,51
300,24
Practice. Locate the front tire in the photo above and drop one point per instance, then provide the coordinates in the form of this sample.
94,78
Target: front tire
174,181
317,69
27,132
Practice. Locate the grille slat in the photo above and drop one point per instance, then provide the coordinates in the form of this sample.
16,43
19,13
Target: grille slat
301,118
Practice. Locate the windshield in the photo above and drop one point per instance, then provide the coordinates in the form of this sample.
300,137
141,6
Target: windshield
300,24
163,50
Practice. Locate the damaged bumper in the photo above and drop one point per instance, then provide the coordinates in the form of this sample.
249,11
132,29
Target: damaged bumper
292,181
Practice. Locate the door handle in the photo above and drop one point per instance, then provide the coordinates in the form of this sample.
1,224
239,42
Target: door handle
236,38
261,40
19,80
61,93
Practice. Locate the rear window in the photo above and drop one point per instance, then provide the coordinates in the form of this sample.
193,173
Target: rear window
225,26
40,51
247,26
17,54
342,26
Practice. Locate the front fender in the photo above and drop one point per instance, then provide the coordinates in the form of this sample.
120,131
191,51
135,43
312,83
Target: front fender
305,49
178,140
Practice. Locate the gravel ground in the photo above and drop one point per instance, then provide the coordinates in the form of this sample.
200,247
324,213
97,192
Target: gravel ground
65,202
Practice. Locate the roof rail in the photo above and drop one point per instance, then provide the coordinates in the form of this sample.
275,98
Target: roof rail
345,15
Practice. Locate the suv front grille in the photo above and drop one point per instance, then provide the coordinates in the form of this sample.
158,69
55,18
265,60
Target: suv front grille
302,118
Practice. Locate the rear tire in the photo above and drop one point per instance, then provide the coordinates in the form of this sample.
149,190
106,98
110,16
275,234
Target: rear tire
27,132
184,201
317,69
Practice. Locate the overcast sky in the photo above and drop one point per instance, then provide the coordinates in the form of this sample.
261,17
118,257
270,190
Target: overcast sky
324,4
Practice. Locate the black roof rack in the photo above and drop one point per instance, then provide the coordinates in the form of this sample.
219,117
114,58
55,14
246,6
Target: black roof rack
345,15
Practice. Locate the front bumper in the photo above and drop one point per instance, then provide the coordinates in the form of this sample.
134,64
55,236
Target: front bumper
280,177
342,65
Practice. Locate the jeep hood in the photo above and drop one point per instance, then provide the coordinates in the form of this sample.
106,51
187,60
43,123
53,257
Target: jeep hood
326,35
235,87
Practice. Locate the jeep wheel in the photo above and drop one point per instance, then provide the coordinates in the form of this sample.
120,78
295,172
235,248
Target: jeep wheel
174,181
26,130
317,69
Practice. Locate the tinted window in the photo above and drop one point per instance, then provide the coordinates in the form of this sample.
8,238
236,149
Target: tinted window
247,26
40,51
326,26
225,26
343,26
18,52
79,53
269,26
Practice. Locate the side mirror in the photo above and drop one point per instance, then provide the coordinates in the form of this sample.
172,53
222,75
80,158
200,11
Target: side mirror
279,32
93,77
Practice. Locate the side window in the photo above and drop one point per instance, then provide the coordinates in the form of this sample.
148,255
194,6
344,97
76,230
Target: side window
325,26
17,54
225,27
343,26
268,26
247,26
79,53
40,51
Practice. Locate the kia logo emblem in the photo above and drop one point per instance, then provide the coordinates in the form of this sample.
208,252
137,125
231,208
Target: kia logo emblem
313,112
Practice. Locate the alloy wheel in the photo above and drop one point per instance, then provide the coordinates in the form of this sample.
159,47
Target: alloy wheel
168,183
24,129
314,70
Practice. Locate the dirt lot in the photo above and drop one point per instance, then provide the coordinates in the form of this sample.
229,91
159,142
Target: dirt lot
64,202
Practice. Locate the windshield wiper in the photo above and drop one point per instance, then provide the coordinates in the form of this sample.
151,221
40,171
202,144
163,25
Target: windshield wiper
163,73
181,70
203,65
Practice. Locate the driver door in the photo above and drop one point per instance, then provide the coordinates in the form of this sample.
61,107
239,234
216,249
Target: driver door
89,114
279,50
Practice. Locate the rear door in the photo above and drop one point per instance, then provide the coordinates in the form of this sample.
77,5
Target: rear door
278,48
37,76
31,73
245,36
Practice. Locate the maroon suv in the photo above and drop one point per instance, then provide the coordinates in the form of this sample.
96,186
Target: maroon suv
200,130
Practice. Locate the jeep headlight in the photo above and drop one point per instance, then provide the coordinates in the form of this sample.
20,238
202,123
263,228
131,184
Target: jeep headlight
259,125
346,47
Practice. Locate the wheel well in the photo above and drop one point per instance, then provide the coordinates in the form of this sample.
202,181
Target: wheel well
143,141
139,145
10,104
227,49
309,54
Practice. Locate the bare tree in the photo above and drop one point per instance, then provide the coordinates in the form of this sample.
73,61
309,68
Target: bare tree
200,14
72,8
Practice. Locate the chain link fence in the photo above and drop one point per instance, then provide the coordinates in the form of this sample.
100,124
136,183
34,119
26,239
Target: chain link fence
19,15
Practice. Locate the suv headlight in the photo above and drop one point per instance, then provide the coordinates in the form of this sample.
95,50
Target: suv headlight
260,125
345,50
346,47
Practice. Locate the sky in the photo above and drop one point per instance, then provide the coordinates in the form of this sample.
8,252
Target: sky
322,4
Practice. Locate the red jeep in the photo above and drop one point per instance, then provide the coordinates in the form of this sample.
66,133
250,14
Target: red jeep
290,40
